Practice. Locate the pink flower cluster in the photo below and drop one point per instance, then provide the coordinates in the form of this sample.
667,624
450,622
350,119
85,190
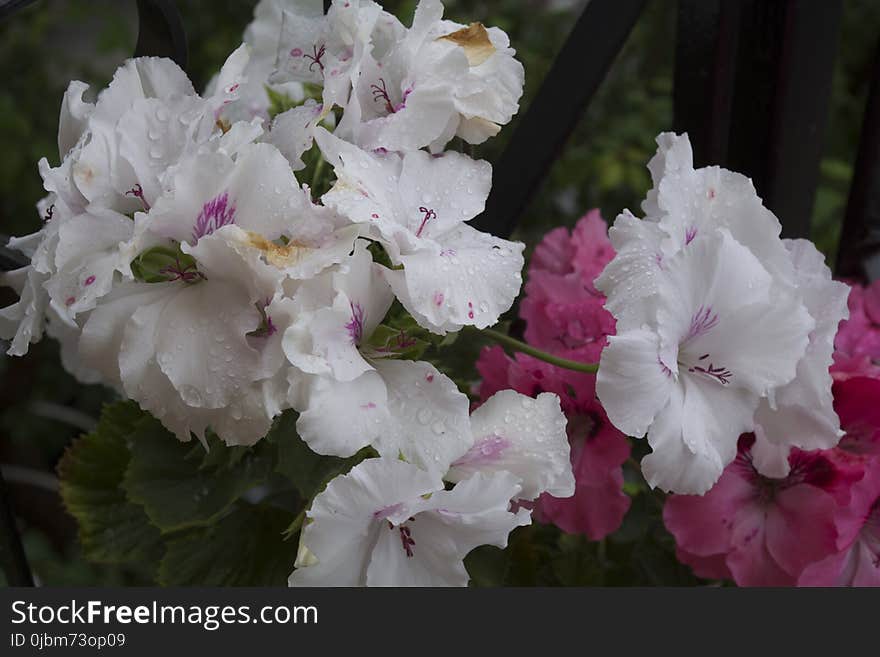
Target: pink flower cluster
565,316
819,526
857,345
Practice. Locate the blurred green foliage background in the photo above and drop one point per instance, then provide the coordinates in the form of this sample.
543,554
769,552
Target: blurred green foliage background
44,46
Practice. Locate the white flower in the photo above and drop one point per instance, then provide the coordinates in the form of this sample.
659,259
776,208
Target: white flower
388,523
438,81
724,335
327,50
416,205
523,436
801,413
261,36
684,206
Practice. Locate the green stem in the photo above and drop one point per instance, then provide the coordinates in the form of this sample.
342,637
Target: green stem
316,175
518,345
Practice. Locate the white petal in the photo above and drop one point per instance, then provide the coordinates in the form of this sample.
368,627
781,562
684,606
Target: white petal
453,523
523,436
340,418
671,466
452,187
293,132
632,384
472,280
629,281
430,423
343,523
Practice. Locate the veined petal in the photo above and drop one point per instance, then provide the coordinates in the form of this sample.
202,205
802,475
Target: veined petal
524,436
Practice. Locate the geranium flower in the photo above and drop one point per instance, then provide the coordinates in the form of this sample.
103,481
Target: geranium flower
725,334
439,80
563,311
389,523
597,449
416,205
857,561
759,530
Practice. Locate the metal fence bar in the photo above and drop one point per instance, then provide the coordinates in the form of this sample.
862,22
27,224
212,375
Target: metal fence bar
160,31
580,67
859,250
706,41
780,107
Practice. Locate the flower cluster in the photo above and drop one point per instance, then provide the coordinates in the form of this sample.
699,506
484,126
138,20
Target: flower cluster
565,316
723,328
182,262
819,525
857,345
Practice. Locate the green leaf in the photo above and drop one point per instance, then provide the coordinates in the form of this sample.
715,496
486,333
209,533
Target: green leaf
279,102
180,485
305,469
161,264
244,548
111,528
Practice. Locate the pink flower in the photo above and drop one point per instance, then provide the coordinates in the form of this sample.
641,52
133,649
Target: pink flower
760,531
597,449
857,563
857,343
564,312
820,525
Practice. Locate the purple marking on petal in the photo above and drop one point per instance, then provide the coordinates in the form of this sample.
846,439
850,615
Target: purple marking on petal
387,511
355,325
90,280
690,234
703,321
216,213
484,451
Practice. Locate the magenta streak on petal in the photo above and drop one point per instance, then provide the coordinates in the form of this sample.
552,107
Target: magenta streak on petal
368,406
387,511
703,320
484,451
666,370
216,213
690,234
355,325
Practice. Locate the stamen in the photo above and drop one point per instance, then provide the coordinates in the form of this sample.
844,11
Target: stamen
380,94
721,374
316,57
406,540
138,192
49,212
429,214
177,272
